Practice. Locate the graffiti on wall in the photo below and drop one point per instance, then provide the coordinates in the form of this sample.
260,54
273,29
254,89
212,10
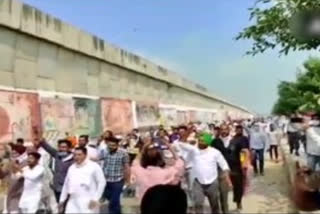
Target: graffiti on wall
56,118
87,117
168,116
193,116
75,116
117,115
203,116
183,117
148,114
19,116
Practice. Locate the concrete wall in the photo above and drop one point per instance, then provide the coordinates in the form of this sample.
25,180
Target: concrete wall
40,52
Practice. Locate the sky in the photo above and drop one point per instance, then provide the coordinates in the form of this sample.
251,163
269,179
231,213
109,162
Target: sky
193,38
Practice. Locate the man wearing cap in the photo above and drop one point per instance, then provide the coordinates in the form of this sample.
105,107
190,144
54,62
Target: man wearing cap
205,162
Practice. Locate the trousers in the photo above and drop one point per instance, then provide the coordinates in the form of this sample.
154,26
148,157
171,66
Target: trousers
211,191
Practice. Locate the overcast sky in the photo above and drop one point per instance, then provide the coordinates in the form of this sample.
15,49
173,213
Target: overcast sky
194,38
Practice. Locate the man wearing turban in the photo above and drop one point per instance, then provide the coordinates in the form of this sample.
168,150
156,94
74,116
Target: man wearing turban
205,162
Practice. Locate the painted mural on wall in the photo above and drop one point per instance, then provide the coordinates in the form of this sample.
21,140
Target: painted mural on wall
25,115
117,115
19,116
57,115
75,116
203,116
148,114
168,116
87,117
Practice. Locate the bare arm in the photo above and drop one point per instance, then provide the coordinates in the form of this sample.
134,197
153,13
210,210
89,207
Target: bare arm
127,173
222,163
226,177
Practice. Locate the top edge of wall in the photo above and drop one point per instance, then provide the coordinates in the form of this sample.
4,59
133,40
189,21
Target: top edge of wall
16,15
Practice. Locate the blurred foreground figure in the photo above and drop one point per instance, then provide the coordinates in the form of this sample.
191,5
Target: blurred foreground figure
164,199
306,194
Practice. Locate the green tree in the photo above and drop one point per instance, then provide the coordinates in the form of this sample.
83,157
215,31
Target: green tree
303,94
274,23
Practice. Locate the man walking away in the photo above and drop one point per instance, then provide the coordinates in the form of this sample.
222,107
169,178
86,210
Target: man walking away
258,143
293,135
275,138
116,169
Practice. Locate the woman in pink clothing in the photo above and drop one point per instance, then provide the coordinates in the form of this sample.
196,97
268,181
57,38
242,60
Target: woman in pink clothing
150,169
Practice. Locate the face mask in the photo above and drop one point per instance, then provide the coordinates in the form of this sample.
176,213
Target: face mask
314,122
63,154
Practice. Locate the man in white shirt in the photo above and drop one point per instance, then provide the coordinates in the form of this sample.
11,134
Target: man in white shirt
205,163
312,129
83,186
33,183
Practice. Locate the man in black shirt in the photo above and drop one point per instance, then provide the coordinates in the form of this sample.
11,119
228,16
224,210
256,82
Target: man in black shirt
218,144
238,145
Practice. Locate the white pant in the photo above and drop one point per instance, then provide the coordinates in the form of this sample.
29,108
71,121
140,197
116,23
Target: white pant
79,204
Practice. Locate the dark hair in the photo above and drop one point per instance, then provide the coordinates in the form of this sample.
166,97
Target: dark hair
112,140
135,130
148,161
164,199
36,155
217,128
20,140
69,144
239,127
162,130
82,149
110,133
183,127
86,137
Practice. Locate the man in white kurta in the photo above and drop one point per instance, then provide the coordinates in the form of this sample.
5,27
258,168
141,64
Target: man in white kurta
33,183
83,186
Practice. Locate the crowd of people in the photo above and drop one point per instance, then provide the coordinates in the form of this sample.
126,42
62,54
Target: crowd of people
165,169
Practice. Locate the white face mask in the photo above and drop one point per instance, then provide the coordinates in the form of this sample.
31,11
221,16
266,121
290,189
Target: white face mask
314,123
